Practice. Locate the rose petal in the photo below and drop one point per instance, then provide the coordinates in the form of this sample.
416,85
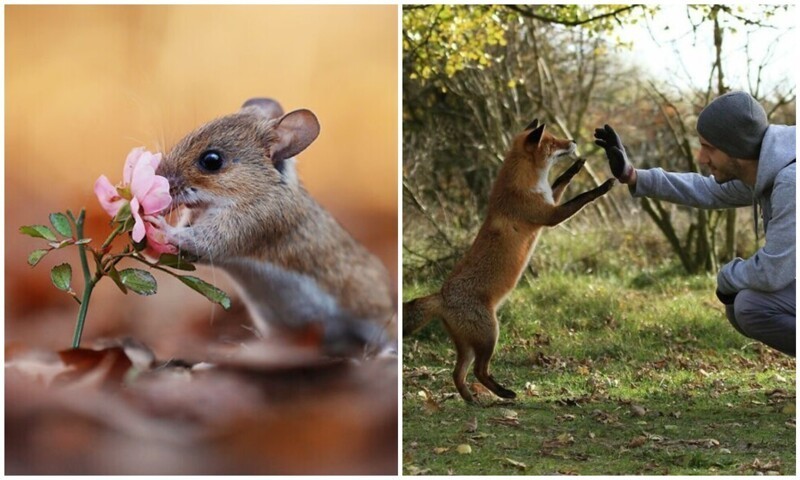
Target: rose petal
157,242
108,196
154,160
157,199
138,226
142,180
130,164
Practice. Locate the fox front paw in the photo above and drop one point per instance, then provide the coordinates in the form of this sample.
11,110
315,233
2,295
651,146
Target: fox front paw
607,185
576,167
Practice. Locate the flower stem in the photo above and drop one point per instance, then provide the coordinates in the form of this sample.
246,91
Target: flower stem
154,265
89,282
120,227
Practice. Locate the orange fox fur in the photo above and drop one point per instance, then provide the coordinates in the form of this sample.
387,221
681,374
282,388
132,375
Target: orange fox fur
520,204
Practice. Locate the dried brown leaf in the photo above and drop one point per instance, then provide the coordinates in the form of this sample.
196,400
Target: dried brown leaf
637,441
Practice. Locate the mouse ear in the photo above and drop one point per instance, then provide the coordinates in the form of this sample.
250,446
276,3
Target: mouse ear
265,107
294,132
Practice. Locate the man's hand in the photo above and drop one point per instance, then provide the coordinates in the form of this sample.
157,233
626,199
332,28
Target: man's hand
607,138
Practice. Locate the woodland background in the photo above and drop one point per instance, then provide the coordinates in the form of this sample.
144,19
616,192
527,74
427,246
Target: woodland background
622,355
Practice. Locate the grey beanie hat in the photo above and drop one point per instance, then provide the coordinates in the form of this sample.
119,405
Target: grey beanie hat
734,123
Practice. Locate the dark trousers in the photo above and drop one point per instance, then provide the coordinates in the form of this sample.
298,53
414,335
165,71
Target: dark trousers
769,318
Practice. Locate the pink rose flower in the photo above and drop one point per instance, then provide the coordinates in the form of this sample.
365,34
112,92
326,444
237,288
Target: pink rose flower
157,242
147,193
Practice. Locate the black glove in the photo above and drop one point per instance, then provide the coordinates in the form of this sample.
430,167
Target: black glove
607,138
726,298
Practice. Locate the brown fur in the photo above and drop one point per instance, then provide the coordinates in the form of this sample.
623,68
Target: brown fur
254,209
489,271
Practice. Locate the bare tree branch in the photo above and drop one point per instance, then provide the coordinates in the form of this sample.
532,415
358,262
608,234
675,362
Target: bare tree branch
530,13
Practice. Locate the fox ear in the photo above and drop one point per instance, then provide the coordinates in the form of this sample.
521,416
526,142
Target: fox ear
533,124
265,107
533,138
294,132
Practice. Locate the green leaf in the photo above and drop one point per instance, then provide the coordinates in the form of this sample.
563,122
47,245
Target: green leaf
63,243
209,291
123,214
175,261
61,224
61,275
38,231
114,274
139,281
35,256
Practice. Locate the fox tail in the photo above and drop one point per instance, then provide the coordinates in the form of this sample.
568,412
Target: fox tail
419,312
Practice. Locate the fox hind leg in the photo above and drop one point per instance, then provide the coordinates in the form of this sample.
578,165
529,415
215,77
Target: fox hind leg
475,338
464,356
484,349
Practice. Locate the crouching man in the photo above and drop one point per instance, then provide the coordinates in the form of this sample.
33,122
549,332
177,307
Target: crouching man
751,163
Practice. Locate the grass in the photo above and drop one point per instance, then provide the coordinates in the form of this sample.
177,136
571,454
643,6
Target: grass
633,371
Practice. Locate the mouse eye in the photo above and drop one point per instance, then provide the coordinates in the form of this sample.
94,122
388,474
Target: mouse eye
210,161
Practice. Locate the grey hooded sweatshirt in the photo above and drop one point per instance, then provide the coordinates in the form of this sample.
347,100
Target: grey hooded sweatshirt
772,267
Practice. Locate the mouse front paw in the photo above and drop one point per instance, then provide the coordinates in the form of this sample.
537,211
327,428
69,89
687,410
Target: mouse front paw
180,237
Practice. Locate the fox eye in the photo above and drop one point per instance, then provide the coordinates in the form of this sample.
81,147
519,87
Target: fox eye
210,161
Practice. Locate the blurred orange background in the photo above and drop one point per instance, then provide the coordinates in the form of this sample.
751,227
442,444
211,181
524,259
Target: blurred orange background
86,84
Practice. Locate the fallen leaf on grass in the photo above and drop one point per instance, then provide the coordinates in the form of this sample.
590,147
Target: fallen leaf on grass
637,442
700,442
507,421
779,394
766,467
605,418
420,372
507,413
415,470
430,405
638,410
464,449
560,441
576,401
566,439
471,426
515,463
441,450
530,389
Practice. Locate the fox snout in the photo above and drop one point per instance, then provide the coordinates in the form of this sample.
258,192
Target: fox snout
571,151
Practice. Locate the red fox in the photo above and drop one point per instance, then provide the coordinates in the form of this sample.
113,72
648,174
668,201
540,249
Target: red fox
520,204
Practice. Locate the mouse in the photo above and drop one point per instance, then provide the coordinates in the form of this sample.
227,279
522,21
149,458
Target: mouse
245,211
